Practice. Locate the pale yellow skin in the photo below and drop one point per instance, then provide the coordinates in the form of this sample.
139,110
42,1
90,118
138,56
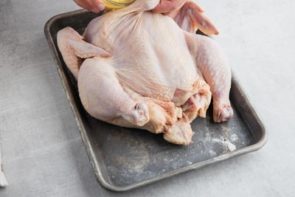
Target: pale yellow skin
142,70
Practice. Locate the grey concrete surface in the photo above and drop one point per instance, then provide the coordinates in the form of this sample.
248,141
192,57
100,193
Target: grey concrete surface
42,150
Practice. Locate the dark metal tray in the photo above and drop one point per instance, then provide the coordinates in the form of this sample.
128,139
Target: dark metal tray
127,158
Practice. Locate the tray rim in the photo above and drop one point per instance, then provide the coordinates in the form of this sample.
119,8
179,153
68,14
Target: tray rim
91,155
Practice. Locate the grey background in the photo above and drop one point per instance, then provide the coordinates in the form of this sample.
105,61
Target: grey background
42,150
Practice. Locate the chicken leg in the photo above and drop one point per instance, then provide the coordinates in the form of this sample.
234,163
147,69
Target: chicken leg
104,98
214,66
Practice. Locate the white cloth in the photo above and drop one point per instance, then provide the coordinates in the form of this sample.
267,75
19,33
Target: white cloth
3,181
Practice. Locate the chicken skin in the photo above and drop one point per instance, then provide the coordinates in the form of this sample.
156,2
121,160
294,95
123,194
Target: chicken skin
139,68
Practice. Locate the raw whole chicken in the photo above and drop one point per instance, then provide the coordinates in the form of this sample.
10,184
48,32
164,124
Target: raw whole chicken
137,67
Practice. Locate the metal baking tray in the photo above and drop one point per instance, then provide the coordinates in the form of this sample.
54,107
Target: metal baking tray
124,158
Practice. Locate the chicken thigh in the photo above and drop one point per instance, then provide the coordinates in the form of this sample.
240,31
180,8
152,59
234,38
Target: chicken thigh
141,70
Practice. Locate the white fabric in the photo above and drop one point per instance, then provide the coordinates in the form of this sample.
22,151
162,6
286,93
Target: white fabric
3,181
